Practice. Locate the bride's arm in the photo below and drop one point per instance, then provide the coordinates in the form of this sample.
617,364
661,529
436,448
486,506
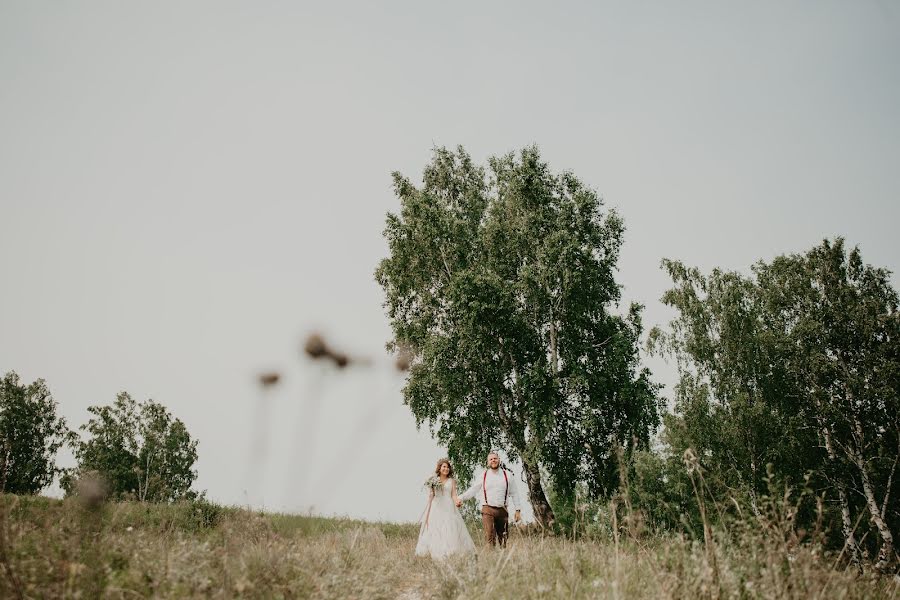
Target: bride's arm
453,491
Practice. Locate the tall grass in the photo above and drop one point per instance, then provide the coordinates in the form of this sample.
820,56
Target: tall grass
126,550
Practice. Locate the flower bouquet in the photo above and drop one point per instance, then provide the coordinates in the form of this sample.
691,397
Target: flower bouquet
434,484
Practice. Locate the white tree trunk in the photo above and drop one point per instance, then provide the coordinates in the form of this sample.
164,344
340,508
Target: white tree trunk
846,522
886,553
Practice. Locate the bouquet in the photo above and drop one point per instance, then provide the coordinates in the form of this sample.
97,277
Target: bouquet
434,484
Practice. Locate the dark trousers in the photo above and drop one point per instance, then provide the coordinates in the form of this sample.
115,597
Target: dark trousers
494,519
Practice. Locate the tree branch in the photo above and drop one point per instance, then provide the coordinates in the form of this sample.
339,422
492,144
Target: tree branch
446,265
604,342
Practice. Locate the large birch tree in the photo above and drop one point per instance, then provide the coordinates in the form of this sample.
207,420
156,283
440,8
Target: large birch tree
500,284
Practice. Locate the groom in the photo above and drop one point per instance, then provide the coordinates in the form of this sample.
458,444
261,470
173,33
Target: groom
494,488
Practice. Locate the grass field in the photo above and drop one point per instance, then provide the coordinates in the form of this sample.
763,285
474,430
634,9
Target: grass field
55,549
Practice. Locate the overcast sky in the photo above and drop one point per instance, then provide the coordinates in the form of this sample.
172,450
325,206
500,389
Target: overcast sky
189,188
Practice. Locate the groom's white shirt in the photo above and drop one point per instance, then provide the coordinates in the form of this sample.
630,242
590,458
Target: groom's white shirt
495,489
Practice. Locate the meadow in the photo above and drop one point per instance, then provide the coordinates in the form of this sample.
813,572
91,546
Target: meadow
64,549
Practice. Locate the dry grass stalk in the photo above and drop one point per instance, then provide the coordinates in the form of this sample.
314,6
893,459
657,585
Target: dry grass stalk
316,348
269,379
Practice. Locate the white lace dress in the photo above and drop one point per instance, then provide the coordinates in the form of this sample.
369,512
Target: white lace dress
446,533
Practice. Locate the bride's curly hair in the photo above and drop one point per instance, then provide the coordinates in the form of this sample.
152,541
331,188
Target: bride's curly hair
437,468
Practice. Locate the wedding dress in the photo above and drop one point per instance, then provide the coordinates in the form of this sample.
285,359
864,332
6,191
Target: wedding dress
445,533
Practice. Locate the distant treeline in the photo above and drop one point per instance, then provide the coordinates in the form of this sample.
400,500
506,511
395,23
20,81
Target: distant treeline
133,450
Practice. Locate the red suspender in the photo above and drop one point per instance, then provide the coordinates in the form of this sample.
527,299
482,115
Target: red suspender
484,487
506,492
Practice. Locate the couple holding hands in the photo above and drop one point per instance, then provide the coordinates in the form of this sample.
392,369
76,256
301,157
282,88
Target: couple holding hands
443,531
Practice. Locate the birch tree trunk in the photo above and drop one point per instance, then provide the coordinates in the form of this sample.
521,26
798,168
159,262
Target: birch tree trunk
846,521
542,511
886,553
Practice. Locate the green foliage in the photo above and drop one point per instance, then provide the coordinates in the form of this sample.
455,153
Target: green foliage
193,515
502,289
310,526
661,489
739,404
30,435
797,367
140,450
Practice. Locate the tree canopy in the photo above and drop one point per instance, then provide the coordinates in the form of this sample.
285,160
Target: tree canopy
31,433
501,286
796,367
140,450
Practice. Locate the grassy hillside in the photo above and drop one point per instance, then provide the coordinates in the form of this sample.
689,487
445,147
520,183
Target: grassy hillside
51,548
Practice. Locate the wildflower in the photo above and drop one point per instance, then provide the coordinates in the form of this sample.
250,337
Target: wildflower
315,346
269,379
404,359
91,490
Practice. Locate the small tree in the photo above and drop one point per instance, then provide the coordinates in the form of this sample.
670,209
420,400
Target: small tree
140,450
30,436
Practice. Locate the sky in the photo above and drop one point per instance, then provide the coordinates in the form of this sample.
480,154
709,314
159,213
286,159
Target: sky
188,189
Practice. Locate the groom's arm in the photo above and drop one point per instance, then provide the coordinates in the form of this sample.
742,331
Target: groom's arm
515,500
470,493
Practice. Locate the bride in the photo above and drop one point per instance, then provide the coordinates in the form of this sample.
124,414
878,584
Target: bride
443,531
